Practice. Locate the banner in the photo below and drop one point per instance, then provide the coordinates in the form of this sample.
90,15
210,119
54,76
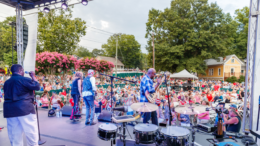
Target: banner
30,52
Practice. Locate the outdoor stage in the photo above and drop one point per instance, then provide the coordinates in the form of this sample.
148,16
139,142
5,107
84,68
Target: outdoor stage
63,131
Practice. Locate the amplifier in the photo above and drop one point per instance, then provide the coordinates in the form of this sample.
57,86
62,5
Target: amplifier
206,127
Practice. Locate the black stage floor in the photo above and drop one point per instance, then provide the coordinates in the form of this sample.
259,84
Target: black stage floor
62,131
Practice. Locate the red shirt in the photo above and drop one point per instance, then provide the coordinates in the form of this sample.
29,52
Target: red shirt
103,101
64,93
209,96
71,102
182,102
216,87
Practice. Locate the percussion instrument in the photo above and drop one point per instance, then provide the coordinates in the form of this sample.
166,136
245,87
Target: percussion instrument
145,133
107,131
175,136
144,107
190,110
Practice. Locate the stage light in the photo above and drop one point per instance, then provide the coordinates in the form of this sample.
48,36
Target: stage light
46,10
84,2
64,6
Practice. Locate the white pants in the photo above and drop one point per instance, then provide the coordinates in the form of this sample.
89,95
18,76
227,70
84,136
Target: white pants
17,126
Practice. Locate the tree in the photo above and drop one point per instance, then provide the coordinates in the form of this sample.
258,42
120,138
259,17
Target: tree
187,33
58,32
8,58
240,42
83,52
144,62
129,52
231,79
6,36
97,52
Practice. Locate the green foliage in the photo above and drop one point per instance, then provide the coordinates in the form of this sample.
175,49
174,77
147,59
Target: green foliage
58,32
97,52
8,58
240,39
241,79
144,62
187,33
83,52
129,50
6,36
231,79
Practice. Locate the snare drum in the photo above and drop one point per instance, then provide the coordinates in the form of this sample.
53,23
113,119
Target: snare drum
145,133
175,136
107,131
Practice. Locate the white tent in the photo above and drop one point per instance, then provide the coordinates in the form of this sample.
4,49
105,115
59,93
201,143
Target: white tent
183,74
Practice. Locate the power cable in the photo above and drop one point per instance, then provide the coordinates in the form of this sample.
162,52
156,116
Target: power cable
100,29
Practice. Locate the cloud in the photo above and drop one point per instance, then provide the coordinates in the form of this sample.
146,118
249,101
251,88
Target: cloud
124,16
104,24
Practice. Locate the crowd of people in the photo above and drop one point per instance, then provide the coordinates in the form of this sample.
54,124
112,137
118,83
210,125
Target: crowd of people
204,92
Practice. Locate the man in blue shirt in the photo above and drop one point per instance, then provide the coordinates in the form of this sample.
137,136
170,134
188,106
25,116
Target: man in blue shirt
146,87
19,107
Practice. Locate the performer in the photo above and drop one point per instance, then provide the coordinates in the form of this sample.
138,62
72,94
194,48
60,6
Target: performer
19,107
76,94
146,87
88,93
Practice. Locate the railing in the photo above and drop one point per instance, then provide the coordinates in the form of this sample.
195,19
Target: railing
236,74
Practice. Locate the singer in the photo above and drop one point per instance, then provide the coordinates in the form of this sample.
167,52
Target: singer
19,107
88,94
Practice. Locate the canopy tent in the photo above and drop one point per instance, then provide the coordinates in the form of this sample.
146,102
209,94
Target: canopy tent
183,74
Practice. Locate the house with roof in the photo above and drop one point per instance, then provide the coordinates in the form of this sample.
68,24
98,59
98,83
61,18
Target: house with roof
120,65
224,67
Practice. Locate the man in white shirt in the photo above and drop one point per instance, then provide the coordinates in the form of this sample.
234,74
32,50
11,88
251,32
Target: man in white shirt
88,94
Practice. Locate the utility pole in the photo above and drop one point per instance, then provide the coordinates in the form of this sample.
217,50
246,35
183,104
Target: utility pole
116,53
153,54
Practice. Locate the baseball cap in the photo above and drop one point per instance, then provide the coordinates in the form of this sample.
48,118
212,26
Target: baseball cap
233,105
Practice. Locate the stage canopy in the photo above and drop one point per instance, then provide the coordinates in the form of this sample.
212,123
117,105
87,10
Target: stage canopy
183,74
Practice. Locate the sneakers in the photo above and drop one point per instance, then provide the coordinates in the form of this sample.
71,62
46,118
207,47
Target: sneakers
87,123
92,123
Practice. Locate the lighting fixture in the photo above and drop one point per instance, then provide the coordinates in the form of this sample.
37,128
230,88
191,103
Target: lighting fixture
46,10
84,2
64,6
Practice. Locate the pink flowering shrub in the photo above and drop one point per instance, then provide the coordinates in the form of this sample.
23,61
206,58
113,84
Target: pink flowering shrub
92,63
52,62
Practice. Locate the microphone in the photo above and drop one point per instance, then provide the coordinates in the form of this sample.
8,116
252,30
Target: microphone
122,109
27,72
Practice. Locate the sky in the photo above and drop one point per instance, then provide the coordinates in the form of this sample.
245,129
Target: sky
122,16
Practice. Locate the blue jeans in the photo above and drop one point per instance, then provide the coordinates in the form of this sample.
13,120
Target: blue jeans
76,99
89,101
149,115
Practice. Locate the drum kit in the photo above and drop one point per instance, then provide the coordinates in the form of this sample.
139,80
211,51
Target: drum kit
150,133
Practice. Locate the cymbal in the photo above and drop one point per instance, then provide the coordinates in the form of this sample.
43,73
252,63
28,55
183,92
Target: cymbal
190,110
144,107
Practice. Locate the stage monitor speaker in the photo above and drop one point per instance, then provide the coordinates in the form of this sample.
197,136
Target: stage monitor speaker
105,116
66,110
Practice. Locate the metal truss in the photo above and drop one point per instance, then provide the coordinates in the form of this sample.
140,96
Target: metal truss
19,33
250,65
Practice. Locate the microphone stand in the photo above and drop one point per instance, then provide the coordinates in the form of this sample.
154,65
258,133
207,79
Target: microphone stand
170,120
111,93
41,141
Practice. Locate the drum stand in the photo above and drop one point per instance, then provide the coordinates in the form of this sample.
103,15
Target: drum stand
124,135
